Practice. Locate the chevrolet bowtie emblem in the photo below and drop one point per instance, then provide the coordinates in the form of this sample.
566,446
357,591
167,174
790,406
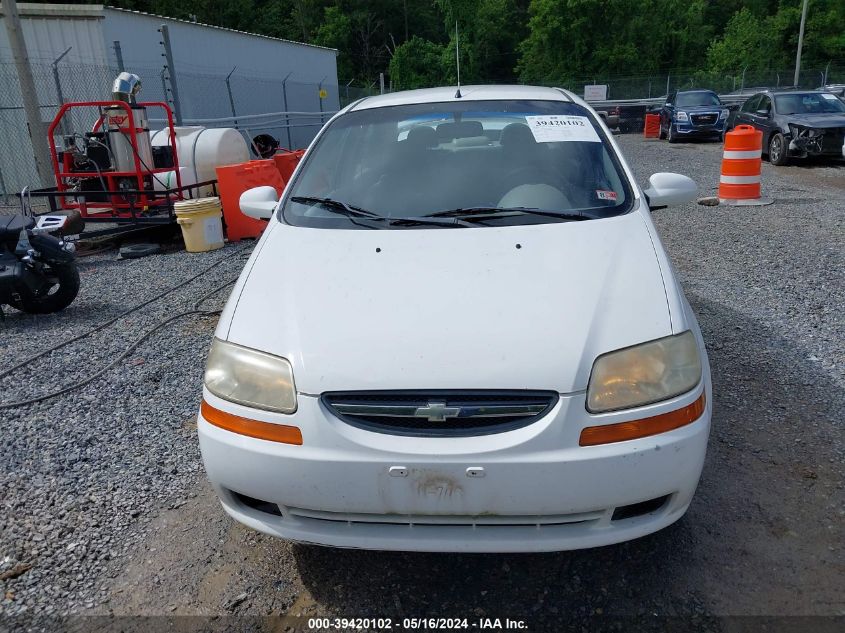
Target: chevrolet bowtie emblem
437,412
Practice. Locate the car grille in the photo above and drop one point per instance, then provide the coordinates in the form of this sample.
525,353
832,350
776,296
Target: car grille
441,413
704,119
833,140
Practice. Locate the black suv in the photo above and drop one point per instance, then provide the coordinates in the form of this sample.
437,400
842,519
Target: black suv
796,123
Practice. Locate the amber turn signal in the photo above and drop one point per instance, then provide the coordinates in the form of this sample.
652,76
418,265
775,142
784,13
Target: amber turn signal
251,428
635,429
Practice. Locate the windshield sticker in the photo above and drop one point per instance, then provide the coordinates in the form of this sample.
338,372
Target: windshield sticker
606,195
829,97
556,128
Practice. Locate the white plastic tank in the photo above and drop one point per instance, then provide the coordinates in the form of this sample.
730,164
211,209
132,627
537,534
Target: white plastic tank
201,149
167,180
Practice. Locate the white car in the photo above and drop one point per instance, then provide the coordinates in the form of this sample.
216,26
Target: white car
459,332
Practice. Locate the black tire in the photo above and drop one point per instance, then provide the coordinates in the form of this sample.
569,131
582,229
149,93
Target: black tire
662,133
60,296
670,135
778,151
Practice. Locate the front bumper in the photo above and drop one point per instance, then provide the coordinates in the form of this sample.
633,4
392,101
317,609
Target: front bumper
528,490
828,142
690,129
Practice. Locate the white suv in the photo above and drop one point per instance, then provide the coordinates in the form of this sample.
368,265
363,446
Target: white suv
459,332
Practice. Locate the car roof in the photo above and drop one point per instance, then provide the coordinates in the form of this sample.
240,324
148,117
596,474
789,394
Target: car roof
468,93
696,90
792,91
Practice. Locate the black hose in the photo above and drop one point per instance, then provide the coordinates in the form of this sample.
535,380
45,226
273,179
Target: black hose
102,326
94,376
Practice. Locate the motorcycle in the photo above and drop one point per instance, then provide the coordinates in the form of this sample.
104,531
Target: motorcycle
38,272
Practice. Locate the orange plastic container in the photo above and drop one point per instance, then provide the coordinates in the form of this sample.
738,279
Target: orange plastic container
286,162
741,164
232,181
652,126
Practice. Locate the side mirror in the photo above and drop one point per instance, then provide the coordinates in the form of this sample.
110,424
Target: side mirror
668,190
763,113
259,202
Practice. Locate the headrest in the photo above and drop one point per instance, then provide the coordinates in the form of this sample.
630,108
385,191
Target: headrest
517,135
422,136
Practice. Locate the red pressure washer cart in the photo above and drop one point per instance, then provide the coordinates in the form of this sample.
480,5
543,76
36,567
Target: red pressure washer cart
112,174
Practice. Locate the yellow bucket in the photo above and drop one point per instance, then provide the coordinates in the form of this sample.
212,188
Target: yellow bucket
202,227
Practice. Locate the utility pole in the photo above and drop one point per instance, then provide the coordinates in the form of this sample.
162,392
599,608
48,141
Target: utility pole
800,43
37,129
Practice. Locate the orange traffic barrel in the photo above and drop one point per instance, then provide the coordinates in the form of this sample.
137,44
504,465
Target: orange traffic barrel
286,161
741,164
232,181
652,126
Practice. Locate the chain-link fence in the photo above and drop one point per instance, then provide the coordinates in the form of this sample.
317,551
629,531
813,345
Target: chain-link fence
233,101
290,111
743,79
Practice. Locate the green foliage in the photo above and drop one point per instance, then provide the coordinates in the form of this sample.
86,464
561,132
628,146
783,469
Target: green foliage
336,32
570,39
417,63
540,41
743,39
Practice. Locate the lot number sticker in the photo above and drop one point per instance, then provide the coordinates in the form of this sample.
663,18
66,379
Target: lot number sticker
556,128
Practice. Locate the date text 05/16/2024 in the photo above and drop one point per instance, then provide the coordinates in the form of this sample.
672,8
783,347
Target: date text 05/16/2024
416,624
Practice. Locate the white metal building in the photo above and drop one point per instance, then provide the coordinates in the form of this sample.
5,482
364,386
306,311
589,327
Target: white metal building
265,74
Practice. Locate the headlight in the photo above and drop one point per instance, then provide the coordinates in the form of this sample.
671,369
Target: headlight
249,377
645,373
724,114
681,116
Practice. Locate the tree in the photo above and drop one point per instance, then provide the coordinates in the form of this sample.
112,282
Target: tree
572,39
743,43
490,32
417,63
336,32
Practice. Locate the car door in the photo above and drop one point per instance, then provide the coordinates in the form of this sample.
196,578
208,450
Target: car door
764,117
743,117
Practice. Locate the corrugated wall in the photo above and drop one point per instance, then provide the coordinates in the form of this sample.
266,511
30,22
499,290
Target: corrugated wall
205,55
48,30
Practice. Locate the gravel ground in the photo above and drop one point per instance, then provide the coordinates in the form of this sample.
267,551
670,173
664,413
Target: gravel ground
103,492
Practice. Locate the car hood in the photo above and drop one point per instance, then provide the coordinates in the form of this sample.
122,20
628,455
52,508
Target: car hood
525,307
831,119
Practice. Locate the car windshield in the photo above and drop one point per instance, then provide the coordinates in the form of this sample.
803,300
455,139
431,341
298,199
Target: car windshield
470,163
810,103
693,99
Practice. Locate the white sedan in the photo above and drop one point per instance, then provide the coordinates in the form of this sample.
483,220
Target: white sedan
459,332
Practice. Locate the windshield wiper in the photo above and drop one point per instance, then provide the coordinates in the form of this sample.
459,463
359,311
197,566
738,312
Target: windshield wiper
351,211
467,213
413,221
337,206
